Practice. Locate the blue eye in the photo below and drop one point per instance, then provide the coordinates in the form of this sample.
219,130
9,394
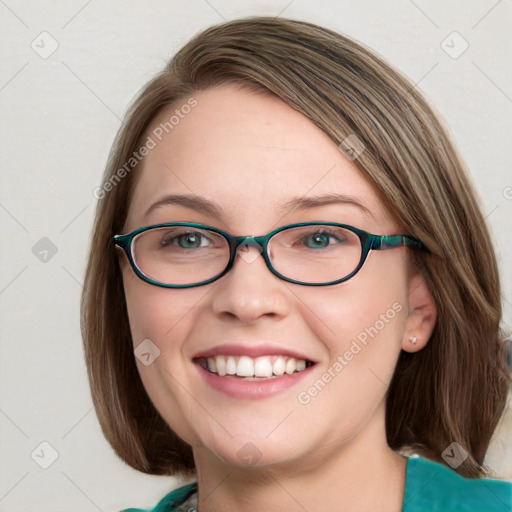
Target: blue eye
317,240
323,239
191,240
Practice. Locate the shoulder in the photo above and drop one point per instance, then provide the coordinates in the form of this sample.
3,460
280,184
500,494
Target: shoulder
434,487
183,496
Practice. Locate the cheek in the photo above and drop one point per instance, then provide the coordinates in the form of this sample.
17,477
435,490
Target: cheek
158,313
163,316
363,318
360,324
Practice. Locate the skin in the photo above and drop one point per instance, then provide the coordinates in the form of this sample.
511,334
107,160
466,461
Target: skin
250,153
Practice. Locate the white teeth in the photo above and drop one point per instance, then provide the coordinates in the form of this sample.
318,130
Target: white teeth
259,367
245,367
220,363
290,366
279,366
230,365
262,367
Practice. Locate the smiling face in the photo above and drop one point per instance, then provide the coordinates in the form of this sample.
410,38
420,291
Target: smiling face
247,163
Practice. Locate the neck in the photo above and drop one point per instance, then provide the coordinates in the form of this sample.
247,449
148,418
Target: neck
362,474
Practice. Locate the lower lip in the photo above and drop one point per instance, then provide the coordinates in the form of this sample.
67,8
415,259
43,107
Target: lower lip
251,389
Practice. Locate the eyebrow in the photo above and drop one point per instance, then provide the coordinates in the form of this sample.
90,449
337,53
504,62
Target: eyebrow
302,203
203,205
188,201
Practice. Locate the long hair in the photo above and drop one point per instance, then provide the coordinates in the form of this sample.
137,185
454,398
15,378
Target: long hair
454,390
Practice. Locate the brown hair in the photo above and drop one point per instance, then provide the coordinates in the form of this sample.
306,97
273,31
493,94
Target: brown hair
454,390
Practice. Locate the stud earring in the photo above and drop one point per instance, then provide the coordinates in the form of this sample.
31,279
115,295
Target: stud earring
413,340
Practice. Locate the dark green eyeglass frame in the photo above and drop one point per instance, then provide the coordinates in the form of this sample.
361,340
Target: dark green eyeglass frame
369,242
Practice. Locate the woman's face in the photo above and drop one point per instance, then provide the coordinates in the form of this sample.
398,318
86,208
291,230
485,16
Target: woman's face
261,165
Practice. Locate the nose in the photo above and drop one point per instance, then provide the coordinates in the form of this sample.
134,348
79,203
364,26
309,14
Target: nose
249,291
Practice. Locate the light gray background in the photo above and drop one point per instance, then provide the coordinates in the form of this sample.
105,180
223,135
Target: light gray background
59,115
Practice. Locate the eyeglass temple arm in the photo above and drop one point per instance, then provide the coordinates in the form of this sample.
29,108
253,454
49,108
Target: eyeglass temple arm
392,241
121,240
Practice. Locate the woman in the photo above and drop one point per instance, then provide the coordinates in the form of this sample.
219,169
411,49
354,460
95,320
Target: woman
291,286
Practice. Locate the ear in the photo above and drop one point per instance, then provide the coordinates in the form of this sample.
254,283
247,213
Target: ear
421,317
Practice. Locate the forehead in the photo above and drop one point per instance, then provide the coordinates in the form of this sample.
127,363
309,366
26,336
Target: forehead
249,152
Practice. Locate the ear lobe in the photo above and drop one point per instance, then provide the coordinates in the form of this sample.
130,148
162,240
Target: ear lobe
421,317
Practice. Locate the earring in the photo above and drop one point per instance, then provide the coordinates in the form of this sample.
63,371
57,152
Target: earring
413,340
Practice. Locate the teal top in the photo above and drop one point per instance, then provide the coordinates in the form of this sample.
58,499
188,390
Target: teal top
429,487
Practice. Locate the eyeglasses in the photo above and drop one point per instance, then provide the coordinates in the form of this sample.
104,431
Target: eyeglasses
185,254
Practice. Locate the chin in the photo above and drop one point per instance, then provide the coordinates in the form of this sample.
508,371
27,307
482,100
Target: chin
249,453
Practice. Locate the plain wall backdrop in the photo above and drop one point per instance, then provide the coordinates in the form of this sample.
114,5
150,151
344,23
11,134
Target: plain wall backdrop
69,69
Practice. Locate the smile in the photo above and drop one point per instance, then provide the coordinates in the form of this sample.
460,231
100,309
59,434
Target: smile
254,368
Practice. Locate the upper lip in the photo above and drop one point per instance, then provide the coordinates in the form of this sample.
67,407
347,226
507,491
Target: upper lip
252,350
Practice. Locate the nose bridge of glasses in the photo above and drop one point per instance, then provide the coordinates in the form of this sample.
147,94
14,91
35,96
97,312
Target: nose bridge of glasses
242,244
